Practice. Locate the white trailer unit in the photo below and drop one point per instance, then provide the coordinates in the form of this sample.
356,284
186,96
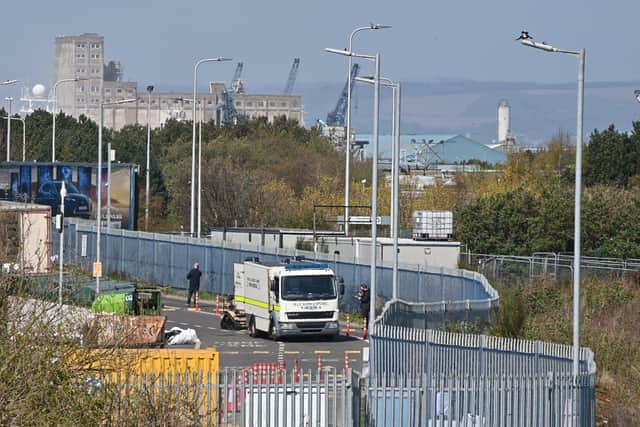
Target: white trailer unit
294,297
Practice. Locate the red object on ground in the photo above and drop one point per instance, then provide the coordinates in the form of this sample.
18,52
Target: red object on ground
217,305
196,307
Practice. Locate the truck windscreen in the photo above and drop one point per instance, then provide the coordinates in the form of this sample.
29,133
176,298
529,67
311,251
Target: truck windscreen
308,287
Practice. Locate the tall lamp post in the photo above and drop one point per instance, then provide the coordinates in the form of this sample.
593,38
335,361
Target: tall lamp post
395,172
10,99
146,186
526,40
63,194
636,93
99,183
24,134
55,113
374,173
6,83
347,170
200,167
193,144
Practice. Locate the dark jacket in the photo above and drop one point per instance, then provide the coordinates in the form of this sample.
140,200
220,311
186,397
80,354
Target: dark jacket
194,278
365,297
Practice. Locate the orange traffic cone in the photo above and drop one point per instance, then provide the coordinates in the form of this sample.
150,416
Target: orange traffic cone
196,307
365,332
296,370
346,363
348,333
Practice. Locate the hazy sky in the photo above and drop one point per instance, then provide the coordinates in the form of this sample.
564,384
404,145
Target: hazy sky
158,41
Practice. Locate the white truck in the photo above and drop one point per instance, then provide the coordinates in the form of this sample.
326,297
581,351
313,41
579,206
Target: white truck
293,297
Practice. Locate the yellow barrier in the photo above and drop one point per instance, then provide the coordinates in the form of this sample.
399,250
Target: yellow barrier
155,361
168,377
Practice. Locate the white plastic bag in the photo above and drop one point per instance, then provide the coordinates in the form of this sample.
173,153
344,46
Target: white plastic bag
185,336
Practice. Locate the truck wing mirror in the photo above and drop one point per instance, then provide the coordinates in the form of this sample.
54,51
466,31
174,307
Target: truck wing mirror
273,287
341,286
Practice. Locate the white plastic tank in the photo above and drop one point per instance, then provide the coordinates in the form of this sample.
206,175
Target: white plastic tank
432,225
504,121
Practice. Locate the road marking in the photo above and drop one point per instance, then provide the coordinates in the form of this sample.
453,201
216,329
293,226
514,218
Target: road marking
291,352
242,344
167,308
197,326
322,351
261,352
352,351
280,351
211,328
171,321
230,352
182,323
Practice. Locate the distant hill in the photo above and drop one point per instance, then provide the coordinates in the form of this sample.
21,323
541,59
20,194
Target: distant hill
538,111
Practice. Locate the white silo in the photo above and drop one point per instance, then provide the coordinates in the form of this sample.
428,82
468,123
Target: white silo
504,121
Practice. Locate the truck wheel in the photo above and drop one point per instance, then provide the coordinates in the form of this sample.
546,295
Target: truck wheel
272,332
253,332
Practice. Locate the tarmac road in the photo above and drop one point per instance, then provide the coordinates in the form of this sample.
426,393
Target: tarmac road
238,349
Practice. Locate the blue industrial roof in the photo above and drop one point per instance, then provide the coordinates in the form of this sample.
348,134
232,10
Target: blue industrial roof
444,148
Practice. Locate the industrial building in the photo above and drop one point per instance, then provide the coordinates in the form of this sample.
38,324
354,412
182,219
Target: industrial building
82,57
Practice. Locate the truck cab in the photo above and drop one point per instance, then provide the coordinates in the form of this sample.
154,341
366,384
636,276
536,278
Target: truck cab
294,297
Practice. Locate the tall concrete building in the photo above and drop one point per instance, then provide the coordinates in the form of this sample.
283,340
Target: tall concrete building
79,57
82,57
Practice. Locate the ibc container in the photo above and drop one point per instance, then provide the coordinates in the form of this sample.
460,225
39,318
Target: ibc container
432,225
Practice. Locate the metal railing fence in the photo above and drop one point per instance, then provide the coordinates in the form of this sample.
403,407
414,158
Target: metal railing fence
324,398
547,265
471,401
234,397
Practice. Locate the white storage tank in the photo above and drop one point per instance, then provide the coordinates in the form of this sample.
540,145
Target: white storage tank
432,225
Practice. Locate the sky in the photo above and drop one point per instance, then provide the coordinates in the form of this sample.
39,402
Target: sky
431,40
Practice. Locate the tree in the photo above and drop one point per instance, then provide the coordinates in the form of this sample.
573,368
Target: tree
612,157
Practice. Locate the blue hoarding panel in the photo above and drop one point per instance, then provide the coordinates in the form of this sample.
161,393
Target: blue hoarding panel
25,183
65,173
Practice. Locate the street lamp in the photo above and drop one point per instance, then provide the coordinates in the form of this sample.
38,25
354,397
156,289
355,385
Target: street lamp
146,196
527,41
63,194
200,166
10,99
636,93
8,82
99,183
395,172
347,171
55,112
24,134
374,174
193,143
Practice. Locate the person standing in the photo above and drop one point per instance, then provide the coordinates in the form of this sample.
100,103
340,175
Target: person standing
194,282
365,300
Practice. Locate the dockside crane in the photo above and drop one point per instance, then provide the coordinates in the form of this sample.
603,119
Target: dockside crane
338,115
230,113
236,84
288,89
